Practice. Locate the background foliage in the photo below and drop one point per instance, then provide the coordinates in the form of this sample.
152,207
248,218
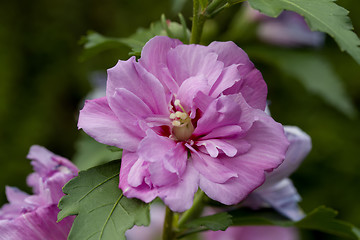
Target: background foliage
44,77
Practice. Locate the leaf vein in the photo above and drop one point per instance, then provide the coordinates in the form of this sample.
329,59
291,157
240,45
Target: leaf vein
98,185
109,216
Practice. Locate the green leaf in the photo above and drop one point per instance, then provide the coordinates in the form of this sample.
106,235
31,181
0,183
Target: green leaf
90,153
323,219
216,222
321,15
95,43
313,71
177,5
103,213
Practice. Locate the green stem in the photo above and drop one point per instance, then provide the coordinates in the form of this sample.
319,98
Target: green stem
194,211
214,5
168,233
197,23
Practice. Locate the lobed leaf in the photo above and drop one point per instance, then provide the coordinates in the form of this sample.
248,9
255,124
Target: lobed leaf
321,15
216,222
95,43
103,213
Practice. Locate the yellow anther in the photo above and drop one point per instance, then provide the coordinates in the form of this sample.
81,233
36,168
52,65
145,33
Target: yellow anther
172,115
177,102
178,114
183,116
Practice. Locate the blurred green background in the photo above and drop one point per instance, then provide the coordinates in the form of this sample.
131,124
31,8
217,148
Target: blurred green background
43,82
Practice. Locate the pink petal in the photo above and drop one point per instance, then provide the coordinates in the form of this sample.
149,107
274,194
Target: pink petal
154,59
41,160
229,76
170,157
189,89
186,61
229,53
160,176
137,173
179,197
232,191
252,86
225,131
201,101
128,107
299,148
212,168
222,112
268,144
100,122
133,77
143,191
214,145
39,224
15,195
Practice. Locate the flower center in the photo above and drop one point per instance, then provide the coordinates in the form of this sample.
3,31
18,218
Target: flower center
182,126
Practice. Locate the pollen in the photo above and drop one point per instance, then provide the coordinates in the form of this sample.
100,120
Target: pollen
172,116
176,123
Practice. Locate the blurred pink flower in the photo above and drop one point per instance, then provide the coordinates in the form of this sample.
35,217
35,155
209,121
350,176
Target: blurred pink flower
288,29
254,233
278,190
33,217
187,116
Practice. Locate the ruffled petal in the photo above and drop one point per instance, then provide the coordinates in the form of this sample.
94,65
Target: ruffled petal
41,160
253,88
229,53
189,89
186,61
39,224
179,197
214,145
232,191
99,121
154,59
222,112
229,76
167,163
121,102
144,192
16,203
133,77
212,168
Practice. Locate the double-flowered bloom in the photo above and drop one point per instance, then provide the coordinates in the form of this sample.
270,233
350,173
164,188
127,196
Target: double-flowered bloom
187,116
34,217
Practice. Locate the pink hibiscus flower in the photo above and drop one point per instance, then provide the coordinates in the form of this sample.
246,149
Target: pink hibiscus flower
187,116
33,217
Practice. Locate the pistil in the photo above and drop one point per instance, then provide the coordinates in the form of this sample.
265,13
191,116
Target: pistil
182,125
